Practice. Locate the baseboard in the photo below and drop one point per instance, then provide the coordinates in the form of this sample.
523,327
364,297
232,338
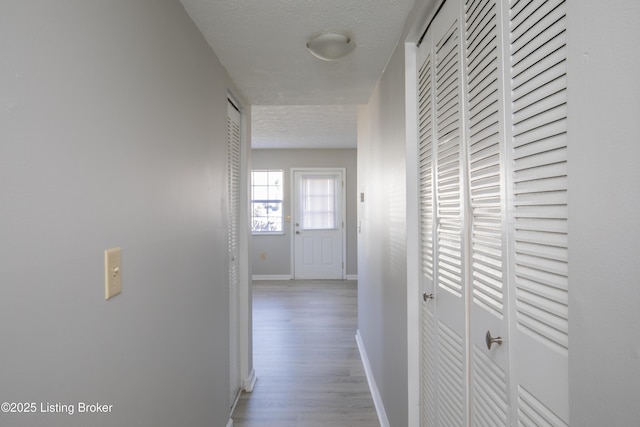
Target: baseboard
235,403
258,277
271,277
375,393
249,382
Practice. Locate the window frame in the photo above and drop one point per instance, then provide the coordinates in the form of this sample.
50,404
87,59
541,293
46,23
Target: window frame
269,201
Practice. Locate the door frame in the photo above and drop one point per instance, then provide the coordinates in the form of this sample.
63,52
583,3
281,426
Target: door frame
245,334
234,115
413,223
343,212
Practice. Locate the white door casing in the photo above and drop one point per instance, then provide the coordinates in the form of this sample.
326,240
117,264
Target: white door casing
318,223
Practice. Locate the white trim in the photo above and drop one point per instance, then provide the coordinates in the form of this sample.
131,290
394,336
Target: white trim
352,277
235,403
413,242
249,382
317,277
375,393
230,423
271,277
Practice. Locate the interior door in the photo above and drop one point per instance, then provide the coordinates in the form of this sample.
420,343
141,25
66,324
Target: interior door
443,203
233,172
451,293
539,216
318,224
428,314
487,231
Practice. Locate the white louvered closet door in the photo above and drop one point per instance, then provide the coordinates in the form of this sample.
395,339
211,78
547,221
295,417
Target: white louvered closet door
486,228
449,240
445,368
538,215
493,214
233,172
428,332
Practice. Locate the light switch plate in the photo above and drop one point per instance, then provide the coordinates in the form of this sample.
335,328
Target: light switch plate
112,273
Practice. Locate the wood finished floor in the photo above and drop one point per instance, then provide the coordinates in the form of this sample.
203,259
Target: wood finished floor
306,358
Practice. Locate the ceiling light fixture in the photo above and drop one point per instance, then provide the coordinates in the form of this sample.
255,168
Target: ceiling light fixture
330,45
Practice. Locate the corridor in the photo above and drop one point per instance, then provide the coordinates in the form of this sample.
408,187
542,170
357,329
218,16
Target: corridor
306,358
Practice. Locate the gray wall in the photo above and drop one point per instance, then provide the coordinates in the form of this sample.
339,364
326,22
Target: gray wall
604,210
382,294
278,248
112,133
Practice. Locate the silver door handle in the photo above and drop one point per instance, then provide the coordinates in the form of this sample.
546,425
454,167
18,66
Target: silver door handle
297,232
426,296
492,340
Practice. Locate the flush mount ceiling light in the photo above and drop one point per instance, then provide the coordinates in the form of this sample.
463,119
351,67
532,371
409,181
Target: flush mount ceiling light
330,45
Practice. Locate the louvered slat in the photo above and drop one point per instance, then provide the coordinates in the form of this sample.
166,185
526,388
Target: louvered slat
484,154
539,217
533,412
425,166
428,369
233,164
450,377
540,169
489,394
448,169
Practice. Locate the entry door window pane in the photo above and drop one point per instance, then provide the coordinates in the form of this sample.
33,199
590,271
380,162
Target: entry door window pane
318,202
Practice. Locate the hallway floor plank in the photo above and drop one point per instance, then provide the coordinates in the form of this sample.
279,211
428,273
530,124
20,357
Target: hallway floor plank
306,358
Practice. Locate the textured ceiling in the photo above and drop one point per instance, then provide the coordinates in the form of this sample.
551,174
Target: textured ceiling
314,126
262,44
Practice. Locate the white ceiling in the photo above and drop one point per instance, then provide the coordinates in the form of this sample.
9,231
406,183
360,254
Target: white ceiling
300,101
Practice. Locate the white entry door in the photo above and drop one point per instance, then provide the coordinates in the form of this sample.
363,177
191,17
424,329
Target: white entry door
318,224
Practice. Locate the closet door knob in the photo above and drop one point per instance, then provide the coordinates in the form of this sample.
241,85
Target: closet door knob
492,340
426,296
